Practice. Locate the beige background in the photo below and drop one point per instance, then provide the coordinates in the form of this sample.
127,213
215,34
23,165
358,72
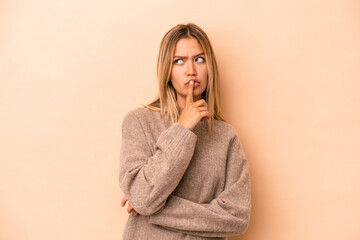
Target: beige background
70,71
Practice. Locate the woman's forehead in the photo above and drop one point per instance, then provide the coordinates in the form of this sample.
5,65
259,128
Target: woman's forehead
188,46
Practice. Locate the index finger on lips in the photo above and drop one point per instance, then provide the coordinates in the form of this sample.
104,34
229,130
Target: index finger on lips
190,93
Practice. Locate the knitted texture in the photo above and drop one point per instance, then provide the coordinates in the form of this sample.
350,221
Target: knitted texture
184,184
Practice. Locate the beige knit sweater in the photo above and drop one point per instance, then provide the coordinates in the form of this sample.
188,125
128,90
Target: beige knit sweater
184,184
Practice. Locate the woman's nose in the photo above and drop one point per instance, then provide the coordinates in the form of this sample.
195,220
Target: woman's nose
191,69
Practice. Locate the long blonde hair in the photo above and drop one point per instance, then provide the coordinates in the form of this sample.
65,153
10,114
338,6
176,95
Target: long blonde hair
166,101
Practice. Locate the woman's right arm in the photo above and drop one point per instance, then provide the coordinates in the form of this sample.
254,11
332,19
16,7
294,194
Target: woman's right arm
148,178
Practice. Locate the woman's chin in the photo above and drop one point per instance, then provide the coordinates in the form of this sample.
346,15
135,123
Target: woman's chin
196,94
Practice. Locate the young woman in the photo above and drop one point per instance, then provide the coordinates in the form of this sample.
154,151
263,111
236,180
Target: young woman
183,172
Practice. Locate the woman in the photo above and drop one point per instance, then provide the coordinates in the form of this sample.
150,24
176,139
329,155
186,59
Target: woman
183,172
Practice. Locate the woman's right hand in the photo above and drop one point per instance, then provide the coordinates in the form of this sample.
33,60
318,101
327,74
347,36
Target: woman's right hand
193,112
130,208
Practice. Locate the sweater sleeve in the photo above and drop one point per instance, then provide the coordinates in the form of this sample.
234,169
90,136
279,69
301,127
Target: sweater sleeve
149,175
228,214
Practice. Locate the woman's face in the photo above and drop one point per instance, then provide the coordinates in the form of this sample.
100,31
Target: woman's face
188,64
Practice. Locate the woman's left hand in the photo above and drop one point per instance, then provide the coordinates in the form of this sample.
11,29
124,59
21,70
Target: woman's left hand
130,208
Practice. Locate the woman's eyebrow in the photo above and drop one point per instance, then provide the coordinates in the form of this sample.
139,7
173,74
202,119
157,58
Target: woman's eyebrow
186,57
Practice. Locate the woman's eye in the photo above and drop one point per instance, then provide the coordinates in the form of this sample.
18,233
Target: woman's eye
200,59
178,61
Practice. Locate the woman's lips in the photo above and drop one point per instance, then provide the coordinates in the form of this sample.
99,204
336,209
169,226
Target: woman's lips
196,83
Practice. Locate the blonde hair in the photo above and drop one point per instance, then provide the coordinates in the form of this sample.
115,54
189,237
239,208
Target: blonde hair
166,101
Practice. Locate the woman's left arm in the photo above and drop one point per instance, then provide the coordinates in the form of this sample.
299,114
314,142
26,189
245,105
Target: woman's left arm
226,215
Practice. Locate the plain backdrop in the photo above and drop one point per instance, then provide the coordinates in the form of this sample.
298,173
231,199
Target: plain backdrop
71,70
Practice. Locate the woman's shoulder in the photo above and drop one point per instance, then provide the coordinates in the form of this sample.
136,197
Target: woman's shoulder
224,128
141,114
